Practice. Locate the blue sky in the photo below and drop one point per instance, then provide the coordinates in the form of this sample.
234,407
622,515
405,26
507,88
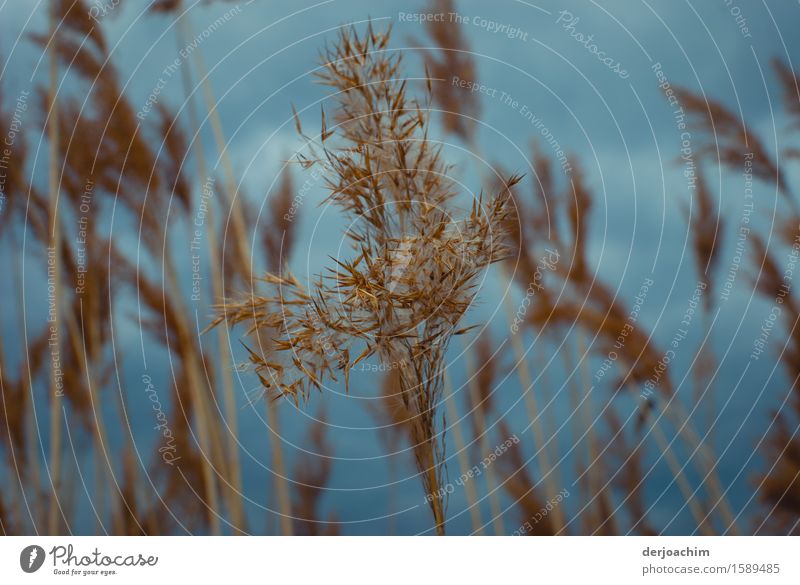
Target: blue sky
621,131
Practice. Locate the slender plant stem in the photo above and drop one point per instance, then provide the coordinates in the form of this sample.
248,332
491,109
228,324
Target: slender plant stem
102,464
483,443
463,462
55,239
707,463
234,491
208,447
592,473
279,471
548,473
237,214
680,478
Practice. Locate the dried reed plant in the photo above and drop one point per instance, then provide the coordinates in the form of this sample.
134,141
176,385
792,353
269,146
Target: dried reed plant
726,141
577,298
412,279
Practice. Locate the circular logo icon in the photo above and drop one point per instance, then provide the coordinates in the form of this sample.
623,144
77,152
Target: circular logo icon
31,558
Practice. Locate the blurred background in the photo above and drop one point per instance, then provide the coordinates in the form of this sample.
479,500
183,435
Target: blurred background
634,365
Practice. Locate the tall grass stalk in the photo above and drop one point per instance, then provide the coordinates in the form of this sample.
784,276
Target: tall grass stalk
55,243
414,267
463,463
683,484
236,213
210,445
706,462
281,482
593,475
548,473
478,415
234,483
103,470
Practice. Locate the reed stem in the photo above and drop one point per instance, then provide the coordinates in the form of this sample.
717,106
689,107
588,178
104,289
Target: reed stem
234,487
55,250
463,462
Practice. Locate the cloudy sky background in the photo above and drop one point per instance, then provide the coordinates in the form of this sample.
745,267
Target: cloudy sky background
621,131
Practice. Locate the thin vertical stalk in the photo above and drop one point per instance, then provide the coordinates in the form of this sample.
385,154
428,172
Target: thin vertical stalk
485,447
240,242
279,471
593,479
31,433
706,464
229,192
526,381
210,448
234,491
99,442
55,248
680,478
463,462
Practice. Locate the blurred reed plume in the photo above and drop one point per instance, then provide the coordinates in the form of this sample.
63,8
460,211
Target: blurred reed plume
451,57
81,295
104,157
570,295
415,262
727,141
